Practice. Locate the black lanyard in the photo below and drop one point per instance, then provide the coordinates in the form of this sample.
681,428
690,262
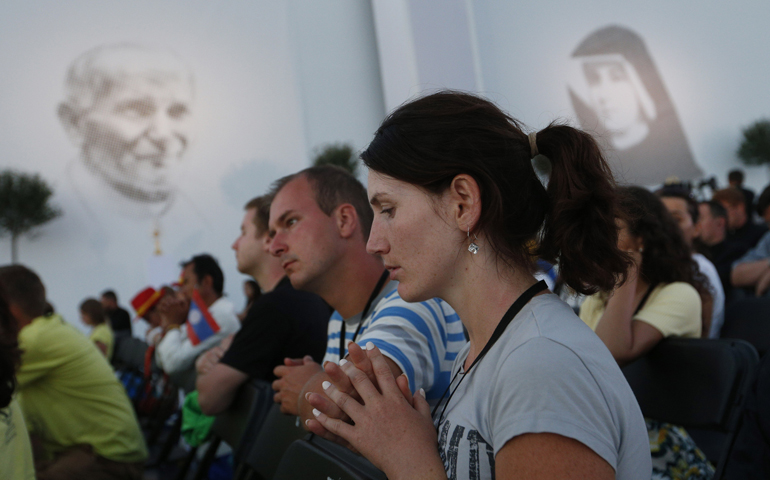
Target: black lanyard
504,322
374,294
645,297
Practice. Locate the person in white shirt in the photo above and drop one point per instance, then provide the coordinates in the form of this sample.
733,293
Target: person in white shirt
685,211
176,352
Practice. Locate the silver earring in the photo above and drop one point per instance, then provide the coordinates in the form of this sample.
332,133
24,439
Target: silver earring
473,248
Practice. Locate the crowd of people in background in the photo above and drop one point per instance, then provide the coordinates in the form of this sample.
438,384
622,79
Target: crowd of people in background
406,321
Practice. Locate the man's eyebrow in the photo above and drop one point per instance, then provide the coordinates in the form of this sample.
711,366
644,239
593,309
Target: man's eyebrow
283,216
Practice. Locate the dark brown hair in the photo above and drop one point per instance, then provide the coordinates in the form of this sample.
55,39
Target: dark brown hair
24,288
262,205
204,264
93,309
666,257
431,140
731,196
334,186
717,209
10,355
692,205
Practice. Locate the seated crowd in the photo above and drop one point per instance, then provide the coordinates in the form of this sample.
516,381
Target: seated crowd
406,322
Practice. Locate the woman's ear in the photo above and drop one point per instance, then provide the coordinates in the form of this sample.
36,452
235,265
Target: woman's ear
465,201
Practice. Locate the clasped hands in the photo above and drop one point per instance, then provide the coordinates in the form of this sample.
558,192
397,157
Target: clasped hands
366,408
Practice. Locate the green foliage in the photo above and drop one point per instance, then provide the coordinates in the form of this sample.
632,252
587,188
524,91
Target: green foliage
24,204
339,154
755,148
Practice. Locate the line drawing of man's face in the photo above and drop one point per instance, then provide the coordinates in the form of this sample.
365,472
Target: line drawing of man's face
130,110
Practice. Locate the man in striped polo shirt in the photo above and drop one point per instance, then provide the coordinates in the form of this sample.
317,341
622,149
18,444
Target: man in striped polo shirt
319,222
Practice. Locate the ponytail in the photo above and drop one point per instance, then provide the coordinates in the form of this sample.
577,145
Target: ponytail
579,230
431,140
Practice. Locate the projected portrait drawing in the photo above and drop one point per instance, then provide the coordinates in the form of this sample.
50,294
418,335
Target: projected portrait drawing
617,93
128,109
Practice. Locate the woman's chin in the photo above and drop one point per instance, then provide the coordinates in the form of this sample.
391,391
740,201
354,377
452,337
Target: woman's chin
410,295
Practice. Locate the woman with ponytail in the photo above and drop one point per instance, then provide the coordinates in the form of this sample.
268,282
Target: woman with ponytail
535,393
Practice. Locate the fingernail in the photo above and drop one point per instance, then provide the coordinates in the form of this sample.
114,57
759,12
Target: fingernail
307,396
316,412
307,422
422,392
343,362
407,378
369,346
326,385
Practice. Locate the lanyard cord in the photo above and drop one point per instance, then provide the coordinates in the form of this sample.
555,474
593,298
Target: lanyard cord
374,294
645,297
523,299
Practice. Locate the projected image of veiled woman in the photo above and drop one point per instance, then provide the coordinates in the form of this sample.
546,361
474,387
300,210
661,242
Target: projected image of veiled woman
618,94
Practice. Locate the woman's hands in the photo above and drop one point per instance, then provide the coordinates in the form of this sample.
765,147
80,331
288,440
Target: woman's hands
392,428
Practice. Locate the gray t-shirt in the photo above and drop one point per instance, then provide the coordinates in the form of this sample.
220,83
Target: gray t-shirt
548,373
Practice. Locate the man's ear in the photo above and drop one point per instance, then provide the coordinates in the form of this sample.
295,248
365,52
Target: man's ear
70,120
465,200
207,282
347,220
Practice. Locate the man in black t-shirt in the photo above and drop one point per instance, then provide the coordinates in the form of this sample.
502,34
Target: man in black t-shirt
742,232
281,323
120,320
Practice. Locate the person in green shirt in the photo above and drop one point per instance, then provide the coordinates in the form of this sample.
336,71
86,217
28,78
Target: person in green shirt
15,449
92,313
79,417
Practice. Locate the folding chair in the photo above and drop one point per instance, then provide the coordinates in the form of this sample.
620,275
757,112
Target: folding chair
749,320
246,414
262,450
698,384
318,458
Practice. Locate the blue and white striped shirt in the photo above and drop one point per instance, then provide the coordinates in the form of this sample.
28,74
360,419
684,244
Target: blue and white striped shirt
422,338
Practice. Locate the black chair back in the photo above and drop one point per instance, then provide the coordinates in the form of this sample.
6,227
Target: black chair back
697,384
237,425
263,450
246,414
129,354
749,320
184,379
316,458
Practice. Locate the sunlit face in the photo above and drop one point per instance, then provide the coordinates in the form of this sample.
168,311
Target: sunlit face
306,240
412,234
612,95
189,281
108,304
627,241
251,249
678,209
712,229
152,316
135,136
86,318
